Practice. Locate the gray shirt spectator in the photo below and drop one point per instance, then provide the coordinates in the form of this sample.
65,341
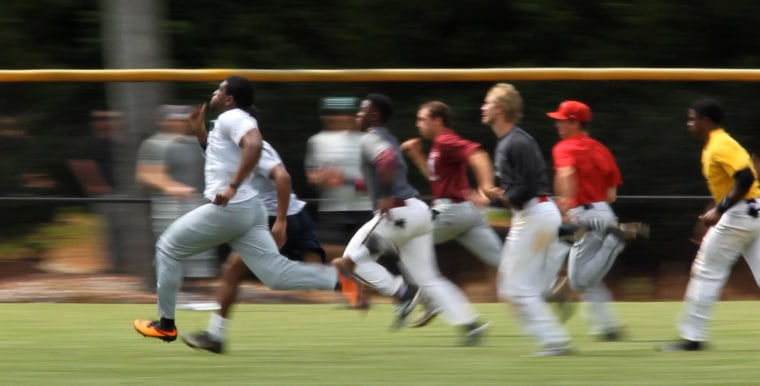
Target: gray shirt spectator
332,165
170,164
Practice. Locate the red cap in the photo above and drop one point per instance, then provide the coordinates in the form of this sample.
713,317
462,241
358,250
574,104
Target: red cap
572,110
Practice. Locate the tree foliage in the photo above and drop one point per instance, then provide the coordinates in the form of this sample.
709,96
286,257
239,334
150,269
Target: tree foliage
642,122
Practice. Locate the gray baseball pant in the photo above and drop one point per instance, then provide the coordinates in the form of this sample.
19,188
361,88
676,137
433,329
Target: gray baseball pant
244,226
591,258
466,224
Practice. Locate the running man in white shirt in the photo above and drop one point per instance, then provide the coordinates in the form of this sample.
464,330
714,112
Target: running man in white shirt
292,229
235,215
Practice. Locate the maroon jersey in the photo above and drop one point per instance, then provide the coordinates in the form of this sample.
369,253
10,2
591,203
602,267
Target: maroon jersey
447,166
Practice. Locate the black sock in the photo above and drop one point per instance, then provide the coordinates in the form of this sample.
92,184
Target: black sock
692,345
166,324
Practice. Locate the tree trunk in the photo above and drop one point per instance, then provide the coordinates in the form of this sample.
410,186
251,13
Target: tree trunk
133,39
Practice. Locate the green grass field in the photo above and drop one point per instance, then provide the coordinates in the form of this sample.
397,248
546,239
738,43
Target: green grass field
81,344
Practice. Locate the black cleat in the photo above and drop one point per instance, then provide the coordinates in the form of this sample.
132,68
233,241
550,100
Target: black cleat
612,335
559,298
474,333
405,305
427,316
202,340
682,345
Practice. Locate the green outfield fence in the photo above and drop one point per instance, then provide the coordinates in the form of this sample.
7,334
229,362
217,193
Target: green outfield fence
638,112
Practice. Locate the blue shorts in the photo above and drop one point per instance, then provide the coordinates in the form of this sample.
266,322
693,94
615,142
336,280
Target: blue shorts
301,237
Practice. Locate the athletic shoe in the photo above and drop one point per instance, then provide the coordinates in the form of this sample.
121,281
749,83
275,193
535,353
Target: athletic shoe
570,233
351,289
405,305
626,231
428,315
151,329
633,230
559,297
682,345
554,350
612,335
474,332
202,340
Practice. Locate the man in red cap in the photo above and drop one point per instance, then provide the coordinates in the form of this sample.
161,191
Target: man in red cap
585,182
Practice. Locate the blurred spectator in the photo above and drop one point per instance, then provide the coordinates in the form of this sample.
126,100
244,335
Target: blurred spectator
25,173
170,164
24,170
332,165
93,167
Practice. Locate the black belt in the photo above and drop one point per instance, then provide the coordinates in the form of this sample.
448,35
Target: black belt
588,206
752,211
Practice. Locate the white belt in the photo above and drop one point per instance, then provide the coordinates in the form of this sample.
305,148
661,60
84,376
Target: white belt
445,201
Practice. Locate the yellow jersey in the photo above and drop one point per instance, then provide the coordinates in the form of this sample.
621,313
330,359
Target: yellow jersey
722,157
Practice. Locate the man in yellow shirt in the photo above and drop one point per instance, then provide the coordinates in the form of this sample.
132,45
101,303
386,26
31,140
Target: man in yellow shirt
735,226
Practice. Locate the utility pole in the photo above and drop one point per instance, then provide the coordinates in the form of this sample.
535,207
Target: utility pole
132,38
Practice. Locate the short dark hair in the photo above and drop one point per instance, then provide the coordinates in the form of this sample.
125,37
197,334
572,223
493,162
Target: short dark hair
382,103
710,108
438,109
241,91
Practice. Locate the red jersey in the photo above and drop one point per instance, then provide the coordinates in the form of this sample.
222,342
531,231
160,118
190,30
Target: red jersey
595,167
447,166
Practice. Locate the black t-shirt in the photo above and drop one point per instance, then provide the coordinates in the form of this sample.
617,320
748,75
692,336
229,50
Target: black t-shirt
520,167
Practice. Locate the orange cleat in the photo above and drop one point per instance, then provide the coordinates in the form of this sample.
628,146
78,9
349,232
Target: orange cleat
352,290
150,329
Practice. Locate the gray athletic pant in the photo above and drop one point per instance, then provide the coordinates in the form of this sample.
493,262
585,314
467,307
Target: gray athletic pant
591,258
244,227
466,224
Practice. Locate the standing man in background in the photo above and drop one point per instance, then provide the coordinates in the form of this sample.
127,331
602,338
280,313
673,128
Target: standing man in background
455,205
585,183
170,165
332,166
93,166
533,254
734,226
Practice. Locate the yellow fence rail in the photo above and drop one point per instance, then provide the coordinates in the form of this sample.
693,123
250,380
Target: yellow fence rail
383,75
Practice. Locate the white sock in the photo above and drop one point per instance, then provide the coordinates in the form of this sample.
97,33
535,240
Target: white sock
217,327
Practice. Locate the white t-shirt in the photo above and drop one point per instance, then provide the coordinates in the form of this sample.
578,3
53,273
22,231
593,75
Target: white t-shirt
223,154
266,187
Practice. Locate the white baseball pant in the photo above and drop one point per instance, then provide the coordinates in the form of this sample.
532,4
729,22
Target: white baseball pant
531,259
736,234
244,226
466,224
591,258
408,230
